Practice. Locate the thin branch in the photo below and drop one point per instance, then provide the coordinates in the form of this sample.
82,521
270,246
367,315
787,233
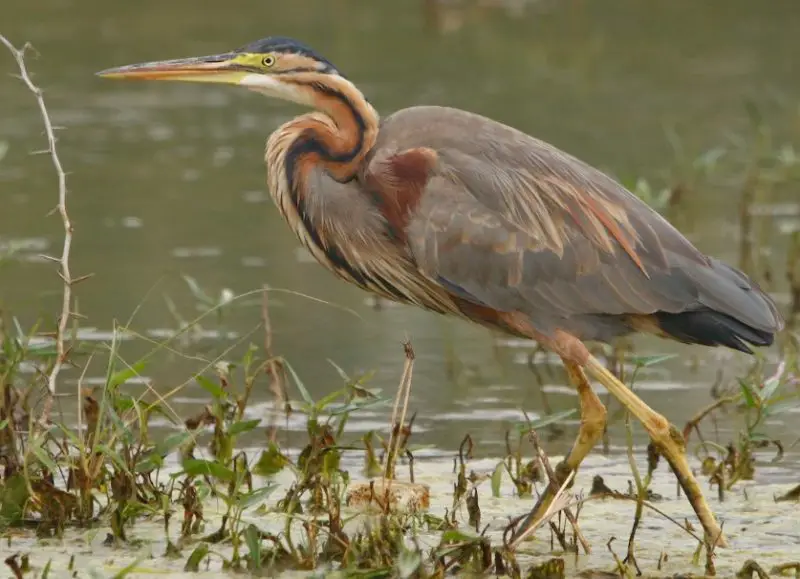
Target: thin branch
52,379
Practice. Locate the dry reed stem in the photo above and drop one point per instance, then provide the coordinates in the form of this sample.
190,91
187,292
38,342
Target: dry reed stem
403,392
551,481
561,501
66,305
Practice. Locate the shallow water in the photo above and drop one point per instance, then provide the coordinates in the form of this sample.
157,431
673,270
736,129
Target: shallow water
756,526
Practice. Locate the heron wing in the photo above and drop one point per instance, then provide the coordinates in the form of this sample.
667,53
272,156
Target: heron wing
507,221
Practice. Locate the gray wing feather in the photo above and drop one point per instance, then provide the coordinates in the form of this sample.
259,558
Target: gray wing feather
505,222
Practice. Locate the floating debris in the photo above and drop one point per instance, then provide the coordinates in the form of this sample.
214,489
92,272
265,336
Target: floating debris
389,496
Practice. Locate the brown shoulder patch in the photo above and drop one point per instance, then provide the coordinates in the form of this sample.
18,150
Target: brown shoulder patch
397,184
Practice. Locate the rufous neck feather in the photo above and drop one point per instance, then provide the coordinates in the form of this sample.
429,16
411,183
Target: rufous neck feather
352,129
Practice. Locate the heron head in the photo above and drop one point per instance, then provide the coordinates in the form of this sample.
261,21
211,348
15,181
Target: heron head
276,66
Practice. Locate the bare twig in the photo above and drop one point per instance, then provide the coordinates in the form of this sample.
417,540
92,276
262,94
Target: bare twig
52,379
553,482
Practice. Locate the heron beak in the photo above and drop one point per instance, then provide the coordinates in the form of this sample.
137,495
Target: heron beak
219,68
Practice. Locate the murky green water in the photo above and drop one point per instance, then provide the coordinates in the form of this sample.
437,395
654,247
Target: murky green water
168,180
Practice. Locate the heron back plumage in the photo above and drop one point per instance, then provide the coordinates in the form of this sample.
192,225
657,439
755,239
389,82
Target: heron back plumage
510,223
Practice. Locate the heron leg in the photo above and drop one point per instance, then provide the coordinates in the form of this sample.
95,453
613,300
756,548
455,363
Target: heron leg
669,442
666,438
593,419
593,423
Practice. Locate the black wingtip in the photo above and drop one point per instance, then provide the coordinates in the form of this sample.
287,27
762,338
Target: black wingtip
709,328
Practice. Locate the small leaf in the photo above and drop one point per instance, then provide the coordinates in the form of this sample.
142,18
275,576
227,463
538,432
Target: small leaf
645,361
128,569
458,536
243,426
124,403
148,463
172,442
270,462
547,420
3,423
154,458
119,378
344,376
356,405
13,497
417,447
253,538
69,433
44,458
749,401
759,437
300,386
127,435
256,496
114,456
194,560
497,478
769,389
326,400
211,387
198,467
781,407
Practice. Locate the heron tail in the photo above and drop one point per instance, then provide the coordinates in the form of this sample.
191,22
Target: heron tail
731,311
711,328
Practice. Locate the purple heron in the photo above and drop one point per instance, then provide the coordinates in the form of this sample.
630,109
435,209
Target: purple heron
461,215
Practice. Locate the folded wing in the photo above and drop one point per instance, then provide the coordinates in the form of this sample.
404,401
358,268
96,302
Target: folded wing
505,221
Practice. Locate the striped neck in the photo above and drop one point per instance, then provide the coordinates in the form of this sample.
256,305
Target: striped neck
336,138
342,138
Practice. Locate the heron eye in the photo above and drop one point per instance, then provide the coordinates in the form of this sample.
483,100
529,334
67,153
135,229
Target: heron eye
268,60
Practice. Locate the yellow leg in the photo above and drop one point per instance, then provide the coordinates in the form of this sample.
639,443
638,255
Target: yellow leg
593,423
669,442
